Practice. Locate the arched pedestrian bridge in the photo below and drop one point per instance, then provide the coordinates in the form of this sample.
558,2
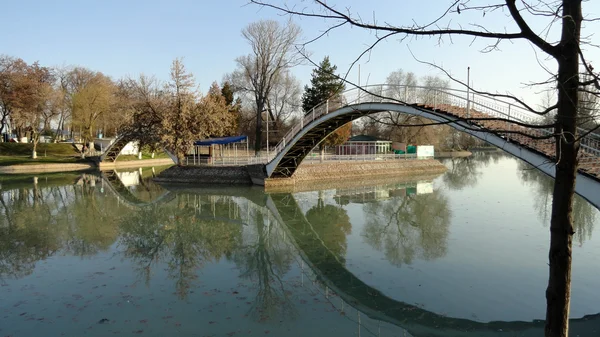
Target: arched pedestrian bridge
500,123
503,124
113,150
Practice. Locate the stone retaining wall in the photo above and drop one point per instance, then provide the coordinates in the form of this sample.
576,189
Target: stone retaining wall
309,175
314,185
206,175
353,170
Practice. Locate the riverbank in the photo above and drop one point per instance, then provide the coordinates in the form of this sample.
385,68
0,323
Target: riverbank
46,168
213,175
31,168
332,173
306,174
381,180
134,163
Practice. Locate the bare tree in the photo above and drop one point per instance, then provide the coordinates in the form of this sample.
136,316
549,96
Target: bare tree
62,103
284,101
569,57
91,97
34,100
402,86
12,71
259,72
176,114
25,96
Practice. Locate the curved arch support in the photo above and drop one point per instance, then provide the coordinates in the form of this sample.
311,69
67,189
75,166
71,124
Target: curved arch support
285,163
113,151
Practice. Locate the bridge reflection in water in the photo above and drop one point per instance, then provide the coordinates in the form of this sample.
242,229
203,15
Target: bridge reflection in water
265,235
322,260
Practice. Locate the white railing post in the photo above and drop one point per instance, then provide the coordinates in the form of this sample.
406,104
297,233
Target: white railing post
326,107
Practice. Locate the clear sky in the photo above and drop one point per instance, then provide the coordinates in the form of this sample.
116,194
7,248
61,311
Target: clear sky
128,37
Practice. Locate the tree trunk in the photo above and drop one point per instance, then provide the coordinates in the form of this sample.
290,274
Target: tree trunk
35,138
322,152
558,293
2,125
180,158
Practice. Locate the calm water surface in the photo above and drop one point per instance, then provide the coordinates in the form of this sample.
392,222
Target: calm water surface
461,254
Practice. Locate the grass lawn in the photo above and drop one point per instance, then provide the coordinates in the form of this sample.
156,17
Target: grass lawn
20,154
49,149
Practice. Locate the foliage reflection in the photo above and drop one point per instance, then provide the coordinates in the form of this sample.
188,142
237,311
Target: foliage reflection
409,227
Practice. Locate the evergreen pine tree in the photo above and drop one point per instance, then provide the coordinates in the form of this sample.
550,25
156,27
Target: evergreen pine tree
323,85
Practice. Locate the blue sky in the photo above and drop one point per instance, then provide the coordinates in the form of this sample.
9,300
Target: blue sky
128,37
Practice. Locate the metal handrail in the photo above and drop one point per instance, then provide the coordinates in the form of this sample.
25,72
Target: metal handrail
235,161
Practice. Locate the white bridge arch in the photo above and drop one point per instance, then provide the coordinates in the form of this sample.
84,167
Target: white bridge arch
446,106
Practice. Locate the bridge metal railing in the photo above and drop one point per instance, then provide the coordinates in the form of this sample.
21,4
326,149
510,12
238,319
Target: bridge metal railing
249,160
360,157
471,105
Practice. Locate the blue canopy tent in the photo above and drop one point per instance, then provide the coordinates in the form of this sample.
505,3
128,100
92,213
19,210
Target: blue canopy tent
222,142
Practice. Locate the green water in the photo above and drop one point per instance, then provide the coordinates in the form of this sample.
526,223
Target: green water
464,254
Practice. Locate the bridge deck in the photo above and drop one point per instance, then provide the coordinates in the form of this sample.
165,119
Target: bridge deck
589,159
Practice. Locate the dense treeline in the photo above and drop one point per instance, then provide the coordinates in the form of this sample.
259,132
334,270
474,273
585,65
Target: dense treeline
79,103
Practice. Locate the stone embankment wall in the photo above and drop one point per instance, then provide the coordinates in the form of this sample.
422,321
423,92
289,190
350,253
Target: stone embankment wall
322,174
316,175
214,175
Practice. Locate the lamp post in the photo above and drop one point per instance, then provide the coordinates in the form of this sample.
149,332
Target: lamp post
468,90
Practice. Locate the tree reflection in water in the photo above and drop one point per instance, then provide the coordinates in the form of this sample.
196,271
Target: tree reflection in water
79,217
409,227
42,217
265,258
584,213
465,171
193,230
180,236
332,224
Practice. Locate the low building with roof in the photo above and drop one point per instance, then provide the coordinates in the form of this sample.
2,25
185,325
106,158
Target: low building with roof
364,144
